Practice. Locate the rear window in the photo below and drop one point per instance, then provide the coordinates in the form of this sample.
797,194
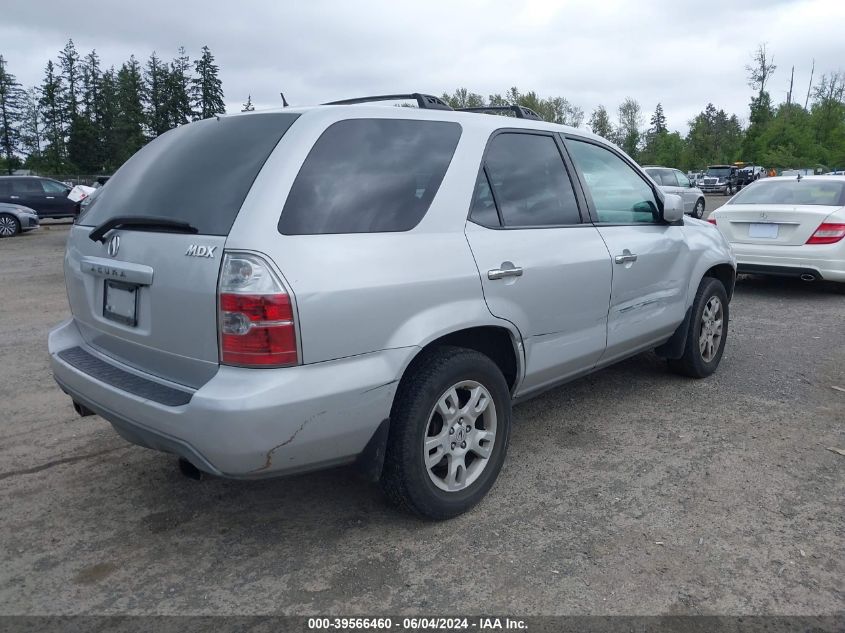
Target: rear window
198,173
793,192
369,176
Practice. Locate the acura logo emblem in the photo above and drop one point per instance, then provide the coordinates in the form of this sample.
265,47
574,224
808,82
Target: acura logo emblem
114,245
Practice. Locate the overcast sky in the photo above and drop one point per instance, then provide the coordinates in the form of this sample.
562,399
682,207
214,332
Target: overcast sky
683,54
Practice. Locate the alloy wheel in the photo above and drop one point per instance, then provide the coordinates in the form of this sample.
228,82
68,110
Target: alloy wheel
8,226
459,436
711,329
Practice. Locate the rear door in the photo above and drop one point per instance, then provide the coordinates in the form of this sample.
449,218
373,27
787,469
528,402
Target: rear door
651,260
29,193
149,299
542,267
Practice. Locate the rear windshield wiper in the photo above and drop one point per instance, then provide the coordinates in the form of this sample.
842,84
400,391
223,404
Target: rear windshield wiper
142,222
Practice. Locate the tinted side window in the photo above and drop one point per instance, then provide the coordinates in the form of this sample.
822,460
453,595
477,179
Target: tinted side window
52,187
483,206
198,173
369,176
619,194
530,181
26,186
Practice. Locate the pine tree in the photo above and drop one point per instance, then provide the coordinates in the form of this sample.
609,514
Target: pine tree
107,113
129,126
658,121
11,103
91,78
178,91
207,87
69,62
248,107
156,81
600,123
50,103
30,130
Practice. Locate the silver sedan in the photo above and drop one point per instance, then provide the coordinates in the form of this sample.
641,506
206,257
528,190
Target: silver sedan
15,219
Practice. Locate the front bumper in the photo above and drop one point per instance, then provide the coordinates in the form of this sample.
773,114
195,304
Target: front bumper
714,188
826,261
249,423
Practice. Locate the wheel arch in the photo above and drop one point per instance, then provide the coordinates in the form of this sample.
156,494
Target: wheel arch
499,343
724,273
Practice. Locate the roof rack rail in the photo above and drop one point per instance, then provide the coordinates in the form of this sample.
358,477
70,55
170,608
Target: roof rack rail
426,102
521,112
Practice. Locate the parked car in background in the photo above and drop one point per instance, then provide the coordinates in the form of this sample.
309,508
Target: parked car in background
48,197
676,182
257,294
15,218
788,226
748,174
720,179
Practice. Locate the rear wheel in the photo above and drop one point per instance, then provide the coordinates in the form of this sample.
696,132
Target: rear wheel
708,331
9,225
698,209
449,431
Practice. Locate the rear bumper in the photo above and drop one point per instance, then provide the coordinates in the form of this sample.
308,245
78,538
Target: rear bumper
248,423
823,261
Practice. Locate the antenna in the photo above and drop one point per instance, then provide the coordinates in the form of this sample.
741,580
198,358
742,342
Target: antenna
284,103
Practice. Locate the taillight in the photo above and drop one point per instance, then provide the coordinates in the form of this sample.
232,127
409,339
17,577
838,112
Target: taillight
712,221
256,315
827,234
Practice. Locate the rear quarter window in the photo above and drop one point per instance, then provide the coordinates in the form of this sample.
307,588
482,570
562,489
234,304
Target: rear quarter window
198,173
369,176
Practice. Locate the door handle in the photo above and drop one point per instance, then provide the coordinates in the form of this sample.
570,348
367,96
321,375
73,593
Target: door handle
507,270
626,257
51,197
15,197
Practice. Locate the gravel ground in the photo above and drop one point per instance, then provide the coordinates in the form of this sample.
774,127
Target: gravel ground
632,491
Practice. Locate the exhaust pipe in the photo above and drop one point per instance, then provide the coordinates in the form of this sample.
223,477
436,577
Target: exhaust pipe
189,470
808,277
82,410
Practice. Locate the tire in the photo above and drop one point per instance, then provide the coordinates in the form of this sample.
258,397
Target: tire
701,356
415,483
9,225
698,209
728,190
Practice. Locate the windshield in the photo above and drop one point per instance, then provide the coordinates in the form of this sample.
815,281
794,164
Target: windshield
718,171
793,192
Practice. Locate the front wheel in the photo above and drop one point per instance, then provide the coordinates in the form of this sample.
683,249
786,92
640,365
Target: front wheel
708,331
9,225
449,431
698,210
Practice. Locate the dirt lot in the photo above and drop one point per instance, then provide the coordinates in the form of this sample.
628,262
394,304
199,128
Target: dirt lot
632,491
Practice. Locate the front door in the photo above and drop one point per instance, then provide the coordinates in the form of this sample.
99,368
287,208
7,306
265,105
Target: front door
542,266
651,259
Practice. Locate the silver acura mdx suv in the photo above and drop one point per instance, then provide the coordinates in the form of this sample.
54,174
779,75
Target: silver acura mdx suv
270,293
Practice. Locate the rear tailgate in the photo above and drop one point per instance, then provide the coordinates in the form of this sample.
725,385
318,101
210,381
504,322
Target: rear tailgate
149,298
781,225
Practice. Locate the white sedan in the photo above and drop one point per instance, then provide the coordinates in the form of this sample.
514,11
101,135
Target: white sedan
788,226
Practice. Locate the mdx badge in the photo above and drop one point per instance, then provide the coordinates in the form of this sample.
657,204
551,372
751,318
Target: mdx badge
200,251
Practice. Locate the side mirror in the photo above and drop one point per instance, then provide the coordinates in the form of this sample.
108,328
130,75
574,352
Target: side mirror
673,208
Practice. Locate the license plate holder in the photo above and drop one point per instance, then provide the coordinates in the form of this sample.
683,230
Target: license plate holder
764,230
120,302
